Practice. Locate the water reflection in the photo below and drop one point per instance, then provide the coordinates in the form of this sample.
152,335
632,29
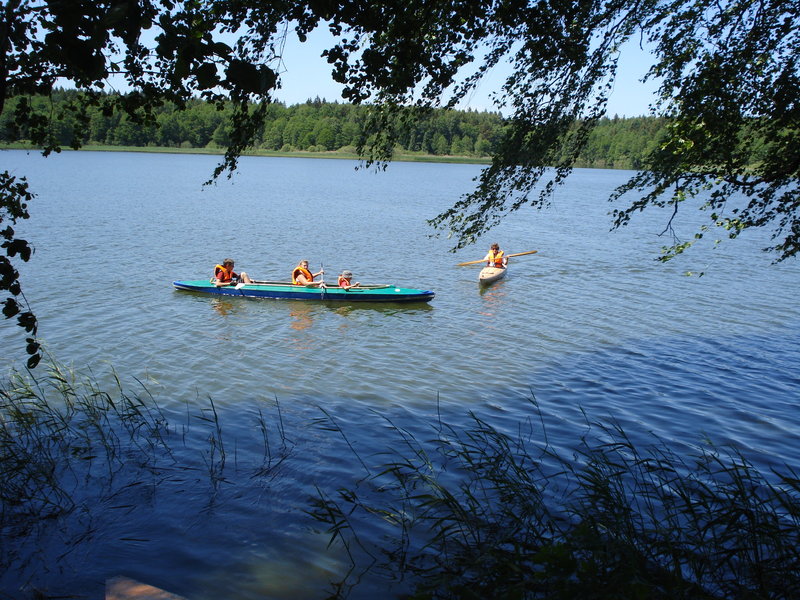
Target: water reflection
494,299
301,316
387,308
223,307
492,287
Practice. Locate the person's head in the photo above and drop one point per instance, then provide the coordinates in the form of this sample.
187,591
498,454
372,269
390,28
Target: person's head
303,263
347,274
228,263
495,247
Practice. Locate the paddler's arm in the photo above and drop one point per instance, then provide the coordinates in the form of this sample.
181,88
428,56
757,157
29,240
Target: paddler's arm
302,280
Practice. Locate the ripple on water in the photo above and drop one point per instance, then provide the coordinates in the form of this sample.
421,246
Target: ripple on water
685,390
591,327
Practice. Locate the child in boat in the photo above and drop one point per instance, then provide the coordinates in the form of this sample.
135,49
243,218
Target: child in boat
344,280
496,258
225,275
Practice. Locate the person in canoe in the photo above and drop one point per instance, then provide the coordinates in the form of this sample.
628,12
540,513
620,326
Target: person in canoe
345,280
302,276
496,257
225,275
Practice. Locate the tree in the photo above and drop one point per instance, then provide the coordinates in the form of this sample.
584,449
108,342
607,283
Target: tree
729,82
95,45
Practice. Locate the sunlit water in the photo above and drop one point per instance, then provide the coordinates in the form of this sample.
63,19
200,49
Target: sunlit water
591,327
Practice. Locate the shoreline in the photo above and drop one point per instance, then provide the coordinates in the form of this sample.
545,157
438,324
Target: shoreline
329,154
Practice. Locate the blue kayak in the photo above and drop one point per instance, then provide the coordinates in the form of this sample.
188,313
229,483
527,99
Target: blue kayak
283,290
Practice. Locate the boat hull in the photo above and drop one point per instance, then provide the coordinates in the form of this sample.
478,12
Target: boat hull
287,291
491,274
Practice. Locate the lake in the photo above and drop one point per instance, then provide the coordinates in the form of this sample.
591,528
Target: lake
591,327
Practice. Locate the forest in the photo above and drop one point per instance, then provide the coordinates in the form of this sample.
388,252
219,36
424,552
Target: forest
320,126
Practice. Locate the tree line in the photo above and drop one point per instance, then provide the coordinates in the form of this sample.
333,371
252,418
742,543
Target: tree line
318,126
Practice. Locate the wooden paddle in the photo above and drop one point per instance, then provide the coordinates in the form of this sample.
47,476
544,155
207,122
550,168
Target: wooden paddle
475,262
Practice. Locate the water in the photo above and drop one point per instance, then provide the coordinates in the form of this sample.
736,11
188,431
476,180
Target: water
591,325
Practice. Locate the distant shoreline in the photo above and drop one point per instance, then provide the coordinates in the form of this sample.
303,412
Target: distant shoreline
332,154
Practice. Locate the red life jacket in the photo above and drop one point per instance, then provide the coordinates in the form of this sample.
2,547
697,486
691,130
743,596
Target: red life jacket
343,280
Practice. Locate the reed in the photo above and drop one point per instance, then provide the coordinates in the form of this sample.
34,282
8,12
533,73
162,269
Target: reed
476,513
49,424
72,454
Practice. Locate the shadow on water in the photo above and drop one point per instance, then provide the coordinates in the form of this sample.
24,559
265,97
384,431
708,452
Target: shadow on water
215,498
387,308
229,304
735,391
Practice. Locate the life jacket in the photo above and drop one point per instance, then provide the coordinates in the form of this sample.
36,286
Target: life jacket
223,274
343,280
306,272
496,259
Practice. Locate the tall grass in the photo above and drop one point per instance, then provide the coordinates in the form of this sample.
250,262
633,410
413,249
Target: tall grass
42,440
73,455
476,513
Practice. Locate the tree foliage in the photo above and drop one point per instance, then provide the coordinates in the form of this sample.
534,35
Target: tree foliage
729,82
14,198
315,125
321,126
161,50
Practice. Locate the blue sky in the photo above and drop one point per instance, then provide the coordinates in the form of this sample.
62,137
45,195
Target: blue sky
307,75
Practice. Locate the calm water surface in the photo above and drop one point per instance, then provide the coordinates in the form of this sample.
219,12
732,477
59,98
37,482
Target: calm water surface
589,324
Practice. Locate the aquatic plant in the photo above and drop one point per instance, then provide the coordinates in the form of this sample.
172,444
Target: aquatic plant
74,458
42,440
476,513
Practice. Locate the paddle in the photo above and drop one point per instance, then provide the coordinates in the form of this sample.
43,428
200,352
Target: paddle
475,262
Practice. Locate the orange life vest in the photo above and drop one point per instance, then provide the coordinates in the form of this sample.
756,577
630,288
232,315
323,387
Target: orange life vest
496,259
306,272
224,274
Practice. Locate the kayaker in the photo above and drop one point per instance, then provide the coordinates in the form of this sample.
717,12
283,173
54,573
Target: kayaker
344,280
225,275
302,276
496,258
